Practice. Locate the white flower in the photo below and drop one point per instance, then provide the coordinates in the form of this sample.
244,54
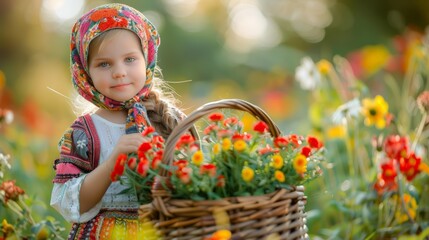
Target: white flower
81,143
350,109
307,74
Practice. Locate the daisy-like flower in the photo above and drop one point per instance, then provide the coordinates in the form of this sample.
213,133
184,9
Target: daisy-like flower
307,74
300,164
198,158
277,161
375,111
240,145
247,174
350,109
279,176
226,144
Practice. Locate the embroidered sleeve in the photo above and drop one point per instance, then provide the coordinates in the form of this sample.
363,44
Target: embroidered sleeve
75,154
65,200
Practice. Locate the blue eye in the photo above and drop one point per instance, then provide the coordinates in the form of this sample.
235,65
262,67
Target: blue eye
130,59
103,64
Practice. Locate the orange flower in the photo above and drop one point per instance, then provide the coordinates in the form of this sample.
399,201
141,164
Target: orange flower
300,164
198,158
279,176
277,161
12,192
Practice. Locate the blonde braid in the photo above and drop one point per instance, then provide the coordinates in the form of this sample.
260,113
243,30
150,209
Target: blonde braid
163,115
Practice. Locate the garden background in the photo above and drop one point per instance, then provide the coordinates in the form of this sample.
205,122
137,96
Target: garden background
210,50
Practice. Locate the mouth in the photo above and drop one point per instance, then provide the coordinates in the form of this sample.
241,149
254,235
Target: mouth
122,85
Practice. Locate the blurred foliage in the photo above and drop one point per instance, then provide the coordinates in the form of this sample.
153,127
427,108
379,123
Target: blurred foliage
198,43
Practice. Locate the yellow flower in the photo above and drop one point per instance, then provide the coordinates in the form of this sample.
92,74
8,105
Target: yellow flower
300,164
216,148
375,111
324,67
411,205
277,161
226,144
198,158
6,228
279,176
42,234
240,145
338,131
247,174
424,167
374,58
221,235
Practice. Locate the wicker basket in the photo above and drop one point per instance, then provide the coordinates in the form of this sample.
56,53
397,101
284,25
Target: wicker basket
279,214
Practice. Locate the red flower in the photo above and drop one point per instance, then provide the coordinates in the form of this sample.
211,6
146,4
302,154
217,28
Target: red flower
185,175
409,166
112,22
267,150
220,181
119,167
185,140
148,131
260,127
142,167
232,121
396,147
388,172
208,168
382,186
314,142
295,139
144,147
216,117
158,141
132,163
210,128
306,151
281,141
180,164
244,137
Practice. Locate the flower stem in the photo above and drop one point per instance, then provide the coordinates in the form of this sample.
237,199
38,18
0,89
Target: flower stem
419,131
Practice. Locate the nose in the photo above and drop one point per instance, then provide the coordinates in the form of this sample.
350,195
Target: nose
118,72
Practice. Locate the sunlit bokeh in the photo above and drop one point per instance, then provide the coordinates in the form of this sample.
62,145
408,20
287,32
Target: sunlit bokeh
60,11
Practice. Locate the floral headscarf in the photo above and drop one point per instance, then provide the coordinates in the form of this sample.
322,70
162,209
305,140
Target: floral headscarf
91,25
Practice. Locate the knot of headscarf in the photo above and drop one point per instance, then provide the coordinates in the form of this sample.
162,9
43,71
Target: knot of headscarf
90,26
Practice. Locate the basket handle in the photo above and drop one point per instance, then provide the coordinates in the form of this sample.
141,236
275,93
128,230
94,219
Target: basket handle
205,109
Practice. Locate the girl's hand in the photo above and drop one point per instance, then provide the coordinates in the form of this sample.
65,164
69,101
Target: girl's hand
126,144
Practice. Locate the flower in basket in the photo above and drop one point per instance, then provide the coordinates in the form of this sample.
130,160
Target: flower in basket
140,167
227,161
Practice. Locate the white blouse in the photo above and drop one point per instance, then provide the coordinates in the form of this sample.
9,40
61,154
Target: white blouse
65,196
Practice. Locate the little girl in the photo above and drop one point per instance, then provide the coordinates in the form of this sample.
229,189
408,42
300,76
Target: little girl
113,59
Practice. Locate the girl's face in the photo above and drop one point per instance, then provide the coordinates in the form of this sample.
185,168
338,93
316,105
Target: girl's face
117,66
